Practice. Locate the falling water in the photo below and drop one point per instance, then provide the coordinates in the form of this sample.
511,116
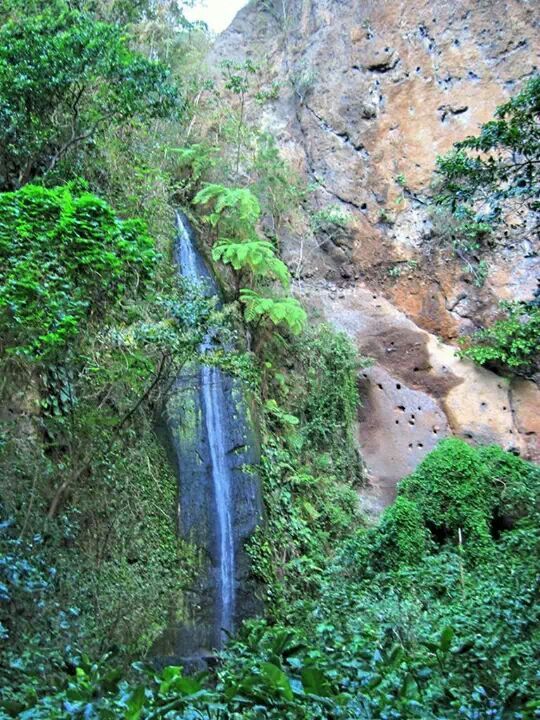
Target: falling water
193,267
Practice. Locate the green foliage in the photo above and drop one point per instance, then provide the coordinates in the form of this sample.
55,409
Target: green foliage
425,635
258,256
281,311
401,538
236,78
453,490
309,462
237,210
63,77
497,170
65,257
93,584
404,266
491,179
279,189
197,161
330,217
328,394
510,344
97,479
515,482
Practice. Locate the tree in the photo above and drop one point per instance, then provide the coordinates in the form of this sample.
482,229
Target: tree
64,77
488,176
510,344
236,77
235,213
285,311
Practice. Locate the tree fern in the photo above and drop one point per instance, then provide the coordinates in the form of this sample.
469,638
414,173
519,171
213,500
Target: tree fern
281,311
256,255
238,207
198,158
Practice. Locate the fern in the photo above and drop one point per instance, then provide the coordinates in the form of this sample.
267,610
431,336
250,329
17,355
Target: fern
281,311
237,206
198,158
256,255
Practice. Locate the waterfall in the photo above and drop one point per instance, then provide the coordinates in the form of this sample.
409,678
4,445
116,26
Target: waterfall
193,267
212,390
209,429
219,502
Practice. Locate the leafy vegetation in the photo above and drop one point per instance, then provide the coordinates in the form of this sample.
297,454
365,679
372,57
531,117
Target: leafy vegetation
404,622
490,182
310,464
432,614
286,311
497,171
235,213
510,344
64,257
64,76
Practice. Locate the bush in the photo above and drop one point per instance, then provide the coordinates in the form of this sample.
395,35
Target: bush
510,344
64,77
64,258
453,490
401,538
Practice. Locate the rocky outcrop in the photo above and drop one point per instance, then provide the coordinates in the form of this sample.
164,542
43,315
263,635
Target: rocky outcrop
370,93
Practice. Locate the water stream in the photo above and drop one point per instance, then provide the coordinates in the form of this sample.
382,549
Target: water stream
192,266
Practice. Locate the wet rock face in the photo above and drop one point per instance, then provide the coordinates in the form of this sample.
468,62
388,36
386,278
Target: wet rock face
197,633
371,93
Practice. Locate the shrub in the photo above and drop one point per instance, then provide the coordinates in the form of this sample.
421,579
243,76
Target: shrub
510,344
515,482
64,258
452,489
401,537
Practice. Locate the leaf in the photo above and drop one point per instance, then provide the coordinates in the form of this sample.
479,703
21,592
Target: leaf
315,682
277,679
446,639
135,704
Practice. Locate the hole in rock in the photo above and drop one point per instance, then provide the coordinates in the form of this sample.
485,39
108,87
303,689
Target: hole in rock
420,444
379,386
401,407
398,386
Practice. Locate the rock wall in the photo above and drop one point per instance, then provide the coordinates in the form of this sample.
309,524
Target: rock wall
370,93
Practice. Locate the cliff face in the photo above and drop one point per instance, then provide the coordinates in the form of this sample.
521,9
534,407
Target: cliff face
370,93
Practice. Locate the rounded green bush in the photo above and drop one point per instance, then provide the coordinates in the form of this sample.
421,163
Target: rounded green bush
450,486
